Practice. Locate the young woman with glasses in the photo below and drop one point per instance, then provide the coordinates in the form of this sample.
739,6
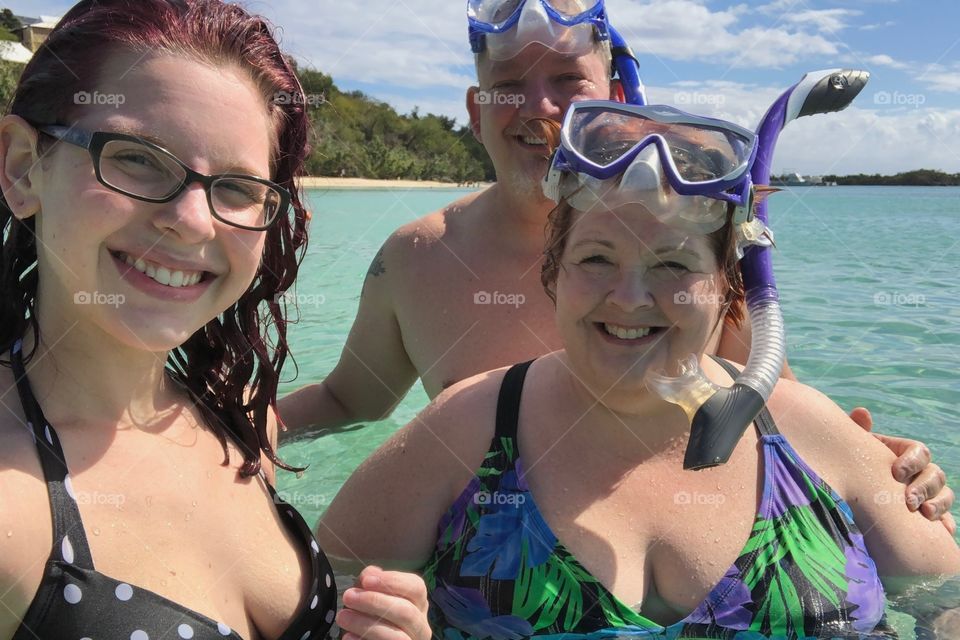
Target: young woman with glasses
151,221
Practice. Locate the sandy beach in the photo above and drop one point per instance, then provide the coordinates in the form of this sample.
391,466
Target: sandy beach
365,183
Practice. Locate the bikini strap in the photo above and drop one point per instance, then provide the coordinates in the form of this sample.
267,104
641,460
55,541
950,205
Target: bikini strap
764,421
69,539
508,403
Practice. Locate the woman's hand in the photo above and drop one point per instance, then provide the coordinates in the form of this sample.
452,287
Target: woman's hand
946,624
385,605
926,482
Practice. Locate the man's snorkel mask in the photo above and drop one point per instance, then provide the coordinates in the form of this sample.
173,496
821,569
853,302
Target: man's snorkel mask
503,28
615,154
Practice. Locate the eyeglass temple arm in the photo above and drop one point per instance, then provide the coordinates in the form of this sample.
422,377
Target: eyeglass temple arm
70,135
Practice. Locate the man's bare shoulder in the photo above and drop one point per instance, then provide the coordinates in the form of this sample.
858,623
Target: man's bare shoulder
447,226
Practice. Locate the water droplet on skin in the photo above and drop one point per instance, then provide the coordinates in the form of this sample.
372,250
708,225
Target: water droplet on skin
96,531
188,516
163,583
9,534
149,501
716,539
194,503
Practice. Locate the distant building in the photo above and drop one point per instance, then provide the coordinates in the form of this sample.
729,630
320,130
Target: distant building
793,179
35,30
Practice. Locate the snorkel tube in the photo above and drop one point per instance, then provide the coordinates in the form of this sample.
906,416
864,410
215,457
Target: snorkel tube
719,415
627,66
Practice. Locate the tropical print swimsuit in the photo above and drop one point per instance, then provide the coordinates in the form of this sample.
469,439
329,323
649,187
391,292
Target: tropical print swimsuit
499,572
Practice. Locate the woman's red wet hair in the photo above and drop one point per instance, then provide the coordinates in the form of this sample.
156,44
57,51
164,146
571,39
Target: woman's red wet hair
231,366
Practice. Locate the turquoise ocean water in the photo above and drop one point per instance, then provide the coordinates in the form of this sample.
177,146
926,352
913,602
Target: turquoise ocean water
868,277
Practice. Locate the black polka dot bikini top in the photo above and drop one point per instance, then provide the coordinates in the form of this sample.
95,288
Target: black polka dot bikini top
76,602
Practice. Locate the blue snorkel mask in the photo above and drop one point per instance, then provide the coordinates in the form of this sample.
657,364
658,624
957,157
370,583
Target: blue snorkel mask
612,154
566,26
502,28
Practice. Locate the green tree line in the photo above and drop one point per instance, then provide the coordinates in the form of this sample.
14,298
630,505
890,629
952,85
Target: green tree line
357,136
917,178
353,135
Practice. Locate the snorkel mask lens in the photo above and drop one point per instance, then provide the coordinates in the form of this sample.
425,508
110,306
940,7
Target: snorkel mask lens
613,154
504,27
698,152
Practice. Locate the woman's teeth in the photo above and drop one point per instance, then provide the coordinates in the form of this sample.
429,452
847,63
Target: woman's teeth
163,275
626,334
533,141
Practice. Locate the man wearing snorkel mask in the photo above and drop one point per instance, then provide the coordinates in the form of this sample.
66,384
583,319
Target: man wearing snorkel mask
457,292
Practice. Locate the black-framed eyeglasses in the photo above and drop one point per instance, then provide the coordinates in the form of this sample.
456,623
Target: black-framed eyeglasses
145,171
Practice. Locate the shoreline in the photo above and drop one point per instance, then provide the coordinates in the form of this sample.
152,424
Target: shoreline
320,182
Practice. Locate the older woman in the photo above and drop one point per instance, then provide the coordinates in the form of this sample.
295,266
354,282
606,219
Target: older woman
558,484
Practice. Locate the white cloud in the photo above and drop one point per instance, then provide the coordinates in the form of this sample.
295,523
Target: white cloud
830,20
688,31
938,77
871,136
409,43
879,25
883,60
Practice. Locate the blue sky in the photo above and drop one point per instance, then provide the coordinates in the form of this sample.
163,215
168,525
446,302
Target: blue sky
714,57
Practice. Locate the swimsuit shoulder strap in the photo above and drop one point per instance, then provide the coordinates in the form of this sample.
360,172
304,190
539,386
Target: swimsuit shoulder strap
508,403
764,421
69,539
